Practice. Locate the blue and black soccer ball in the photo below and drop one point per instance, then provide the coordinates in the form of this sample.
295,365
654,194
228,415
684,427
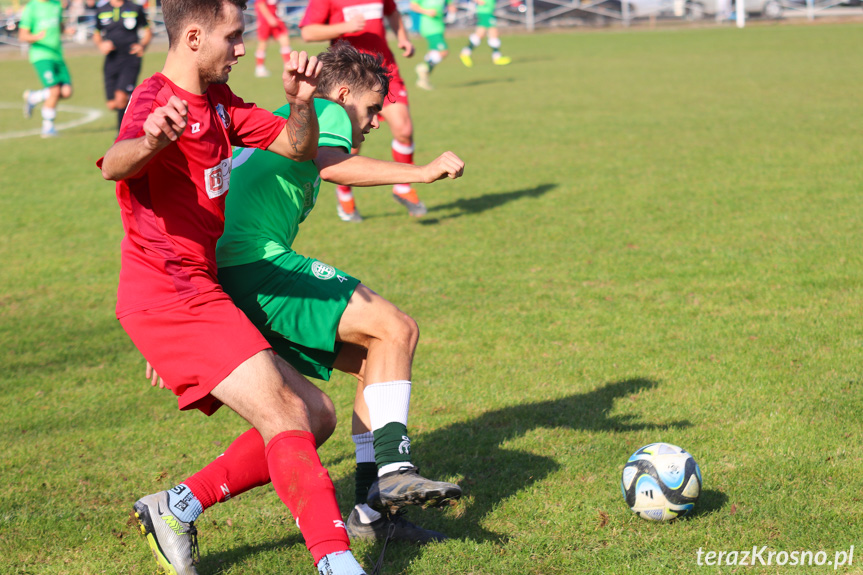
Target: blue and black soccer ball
661,482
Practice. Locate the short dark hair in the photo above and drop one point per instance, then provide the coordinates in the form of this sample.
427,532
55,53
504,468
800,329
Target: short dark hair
177,13
342,64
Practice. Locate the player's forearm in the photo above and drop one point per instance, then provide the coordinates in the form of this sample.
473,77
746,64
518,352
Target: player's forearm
323,32
299,140
397,26
146,37
127,158
24,35
340,168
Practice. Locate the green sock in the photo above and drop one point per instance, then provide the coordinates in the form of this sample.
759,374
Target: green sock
392,444
366,474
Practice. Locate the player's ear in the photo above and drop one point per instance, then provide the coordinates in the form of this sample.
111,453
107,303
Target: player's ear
193,36
342,94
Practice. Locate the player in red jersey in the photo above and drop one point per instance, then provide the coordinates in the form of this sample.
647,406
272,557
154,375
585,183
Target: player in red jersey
269,26
172,164
361,22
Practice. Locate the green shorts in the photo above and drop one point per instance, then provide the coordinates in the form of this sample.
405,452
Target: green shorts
486,21
52,72
297,303
437,42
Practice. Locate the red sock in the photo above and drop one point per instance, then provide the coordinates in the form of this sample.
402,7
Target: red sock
259,58
403,153
243,466
286,54
302,483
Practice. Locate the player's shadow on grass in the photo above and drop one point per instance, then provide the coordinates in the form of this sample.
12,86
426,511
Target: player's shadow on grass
483,81
492,472
470,206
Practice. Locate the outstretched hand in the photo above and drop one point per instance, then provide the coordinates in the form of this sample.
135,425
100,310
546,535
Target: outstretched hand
446,165
300,77
166,124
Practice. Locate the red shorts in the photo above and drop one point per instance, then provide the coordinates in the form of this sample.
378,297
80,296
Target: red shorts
266,31
398,94
194,344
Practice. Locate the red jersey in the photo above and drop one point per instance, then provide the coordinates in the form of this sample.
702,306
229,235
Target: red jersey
173,212
271,6
372,38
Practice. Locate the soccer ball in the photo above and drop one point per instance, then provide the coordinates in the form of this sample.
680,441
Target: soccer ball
661,482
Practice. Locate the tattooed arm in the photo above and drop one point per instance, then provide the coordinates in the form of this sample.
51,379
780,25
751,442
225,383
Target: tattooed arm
299,141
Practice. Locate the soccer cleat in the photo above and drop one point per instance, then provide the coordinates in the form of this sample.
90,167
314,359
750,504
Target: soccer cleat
466,59
261,72
502,61
354,216
347,210
406,486
28,106
412,202
49,132
173,542
397,528
423,72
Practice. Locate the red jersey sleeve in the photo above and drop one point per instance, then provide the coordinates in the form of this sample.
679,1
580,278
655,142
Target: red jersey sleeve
317,12
389,7
252,127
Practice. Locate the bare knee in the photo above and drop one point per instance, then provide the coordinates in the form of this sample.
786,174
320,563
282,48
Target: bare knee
403,133
403,331
66,91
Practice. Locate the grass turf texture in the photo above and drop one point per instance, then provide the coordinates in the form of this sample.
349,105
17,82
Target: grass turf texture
656,239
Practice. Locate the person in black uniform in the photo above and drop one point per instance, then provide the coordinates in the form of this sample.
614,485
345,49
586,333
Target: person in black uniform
122,34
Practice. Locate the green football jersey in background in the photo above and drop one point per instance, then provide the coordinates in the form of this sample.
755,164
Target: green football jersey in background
47,15
430,25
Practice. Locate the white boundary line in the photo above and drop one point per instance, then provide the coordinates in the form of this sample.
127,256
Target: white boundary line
90,115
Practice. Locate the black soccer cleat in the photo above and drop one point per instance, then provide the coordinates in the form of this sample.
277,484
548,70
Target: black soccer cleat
406,486
394,528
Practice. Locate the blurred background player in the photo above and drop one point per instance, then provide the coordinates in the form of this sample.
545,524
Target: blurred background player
361,23
485,21
431,27
42,27
122,34
269,26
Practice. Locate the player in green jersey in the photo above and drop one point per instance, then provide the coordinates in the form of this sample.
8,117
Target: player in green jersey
431,27
41,26
485,22
319,318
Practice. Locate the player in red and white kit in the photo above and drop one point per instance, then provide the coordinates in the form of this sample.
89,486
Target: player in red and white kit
172,164
361,22
269,26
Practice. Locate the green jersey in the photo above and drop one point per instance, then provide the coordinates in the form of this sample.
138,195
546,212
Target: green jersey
487,7
47,16
430,25
271,195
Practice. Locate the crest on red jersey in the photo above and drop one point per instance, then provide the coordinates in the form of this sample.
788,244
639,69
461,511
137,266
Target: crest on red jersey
223,115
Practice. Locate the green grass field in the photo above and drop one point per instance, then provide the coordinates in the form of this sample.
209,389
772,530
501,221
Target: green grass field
657,238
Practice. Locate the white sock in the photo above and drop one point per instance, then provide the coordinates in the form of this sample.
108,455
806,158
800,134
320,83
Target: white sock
37,96
48,115
340,563
494,43
366,513
388,401
364,447
474,40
